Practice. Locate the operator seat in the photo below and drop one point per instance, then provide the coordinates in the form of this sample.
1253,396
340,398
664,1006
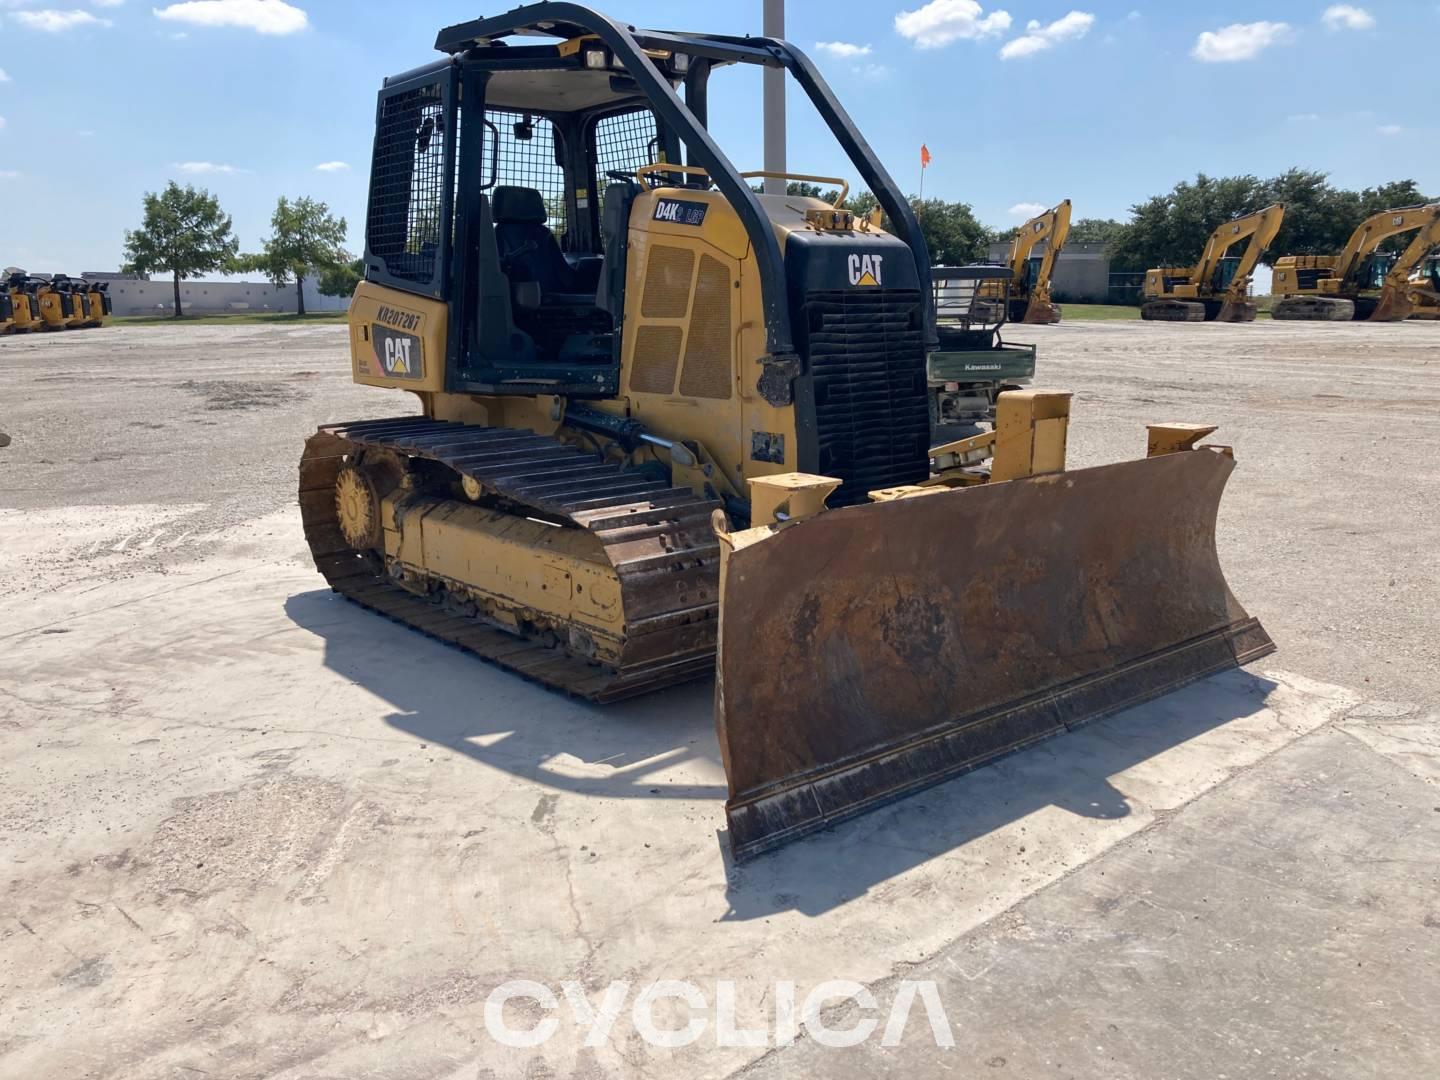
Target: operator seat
529,251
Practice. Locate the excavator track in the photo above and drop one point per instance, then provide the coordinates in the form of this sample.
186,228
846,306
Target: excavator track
658,540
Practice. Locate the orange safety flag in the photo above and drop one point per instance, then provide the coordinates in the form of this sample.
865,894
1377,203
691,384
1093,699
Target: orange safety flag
924,155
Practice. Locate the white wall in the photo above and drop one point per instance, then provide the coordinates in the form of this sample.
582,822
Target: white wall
157,297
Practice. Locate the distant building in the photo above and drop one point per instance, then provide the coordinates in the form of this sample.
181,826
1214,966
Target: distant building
134,294
1082,272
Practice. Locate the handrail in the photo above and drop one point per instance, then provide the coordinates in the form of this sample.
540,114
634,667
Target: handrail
643,173
765,174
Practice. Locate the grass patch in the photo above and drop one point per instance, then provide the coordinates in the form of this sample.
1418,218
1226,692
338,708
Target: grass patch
240,318
1089,312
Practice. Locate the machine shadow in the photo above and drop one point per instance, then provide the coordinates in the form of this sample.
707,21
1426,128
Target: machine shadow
446,697
477,709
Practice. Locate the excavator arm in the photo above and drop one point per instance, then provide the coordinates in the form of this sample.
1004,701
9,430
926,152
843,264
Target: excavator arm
1374,231
1395,303
1054,226
1263,225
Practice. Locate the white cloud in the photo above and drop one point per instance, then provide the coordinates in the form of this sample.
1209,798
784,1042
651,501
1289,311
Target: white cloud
1027,209
1347,17
107,3
940,22
872,72
1303,118
842,49
56,22
3,76
1239,41
2,123
204,168
1390,129
333,166
9,174
86,134
1038,38
262,16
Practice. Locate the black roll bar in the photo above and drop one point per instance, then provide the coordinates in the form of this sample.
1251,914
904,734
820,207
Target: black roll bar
573,20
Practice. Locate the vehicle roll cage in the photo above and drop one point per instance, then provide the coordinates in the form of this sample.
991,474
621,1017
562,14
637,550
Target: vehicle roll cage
479,41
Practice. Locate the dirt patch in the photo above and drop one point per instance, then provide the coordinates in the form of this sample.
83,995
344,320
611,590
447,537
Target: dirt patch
245,839
222,395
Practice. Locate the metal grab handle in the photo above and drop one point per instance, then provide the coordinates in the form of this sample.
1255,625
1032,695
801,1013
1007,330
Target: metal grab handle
763,174
644,172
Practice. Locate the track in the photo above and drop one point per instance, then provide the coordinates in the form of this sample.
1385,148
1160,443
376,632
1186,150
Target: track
658,539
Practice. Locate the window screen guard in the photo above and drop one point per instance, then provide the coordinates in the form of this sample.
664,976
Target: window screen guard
410,194
513,160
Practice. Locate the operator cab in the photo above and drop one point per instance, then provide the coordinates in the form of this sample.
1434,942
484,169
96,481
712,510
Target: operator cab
545,171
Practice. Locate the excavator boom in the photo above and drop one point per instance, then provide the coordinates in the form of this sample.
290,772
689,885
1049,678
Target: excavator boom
1052,226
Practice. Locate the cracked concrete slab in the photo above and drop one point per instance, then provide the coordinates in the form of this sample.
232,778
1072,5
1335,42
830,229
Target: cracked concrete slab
252,827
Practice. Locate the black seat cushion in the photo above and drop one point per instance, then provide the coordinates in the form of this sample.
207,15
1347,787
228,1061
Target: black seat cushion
528,249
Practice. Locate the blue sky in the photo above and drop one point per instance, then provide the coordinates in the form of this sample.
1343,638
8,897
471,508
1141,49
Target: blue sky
1023,102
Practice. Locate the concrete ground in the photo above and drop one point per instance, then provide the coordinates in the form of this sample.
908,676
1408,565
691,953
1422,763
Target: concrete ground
252,831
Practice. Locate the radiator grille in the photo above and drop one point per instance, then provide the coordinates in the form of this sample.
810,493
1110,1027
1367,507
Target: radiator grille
667,283
657,355
866,356
707,349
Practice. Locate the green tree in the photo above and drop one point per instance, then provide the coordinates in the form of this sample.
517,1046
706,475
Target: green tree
306,239
1097,230
341,279
1171,229
952,232
184,234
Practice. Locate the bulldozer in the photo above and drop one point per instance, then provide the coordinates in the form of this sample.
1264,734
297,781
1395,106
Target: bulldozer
671,428
23,309
1362,282
1026,296
1217,288
51,302
74,301
97,297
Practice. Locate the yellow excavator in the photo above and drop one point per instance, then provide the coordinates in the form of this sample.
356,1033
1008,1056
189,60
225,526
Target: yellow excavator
671,428
1217,288
1362,282
1027,294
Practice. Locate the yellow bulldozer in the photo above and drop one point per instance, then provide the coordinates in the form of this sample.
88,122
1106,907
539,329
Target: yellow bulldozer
1217,288
671,428
1362,282
22,304
1026,295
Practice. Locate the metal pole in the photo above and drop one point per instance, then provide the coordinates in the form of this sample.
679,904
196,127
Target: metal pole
774,27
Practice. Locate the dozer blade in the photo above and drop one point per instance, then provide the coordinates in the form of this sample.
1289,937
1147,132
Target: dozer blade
871,651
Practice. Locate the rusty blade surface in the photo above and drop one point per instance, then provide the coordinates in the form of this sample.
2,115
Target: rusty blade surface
875,650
